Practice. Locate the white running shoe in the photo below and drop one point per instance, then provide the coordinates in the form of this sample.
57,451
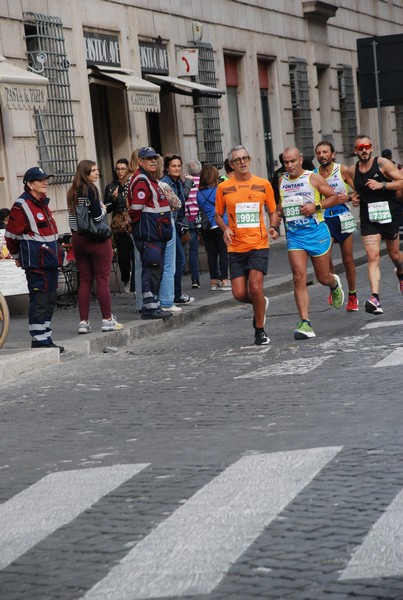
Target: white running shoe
111,324
172,309
126,287
84,327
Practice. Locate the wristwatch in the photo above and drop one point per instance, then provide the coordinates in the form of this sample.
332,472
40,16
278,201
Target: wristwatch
384,185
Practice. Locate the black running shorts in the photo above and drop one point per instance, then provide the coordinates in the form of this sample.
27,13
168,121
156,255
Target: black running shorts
240,263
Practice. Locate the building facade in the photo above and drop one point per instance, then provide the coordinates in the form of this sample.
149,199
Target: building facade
99,78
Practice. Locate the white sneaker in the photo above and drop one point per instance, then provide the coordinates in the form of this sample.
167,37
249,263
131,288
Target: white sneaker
172,309
84,327
126,288
111,324
225,286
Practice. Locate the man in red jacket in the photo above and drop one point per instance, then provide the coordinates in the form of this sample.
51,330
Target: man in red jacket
150,213
32,240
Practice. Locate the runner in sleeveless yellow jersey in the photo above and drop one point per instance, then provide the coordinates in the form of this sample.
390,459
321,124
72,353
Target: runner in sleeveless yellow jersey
245,197
307,234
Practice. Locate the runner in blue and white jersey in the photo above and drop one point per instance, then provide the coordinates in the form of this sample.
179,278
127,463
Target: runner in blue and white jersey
338,218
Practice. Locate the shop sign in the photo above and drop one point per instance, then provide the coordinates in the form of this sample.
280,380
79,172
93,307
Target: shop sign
154,58
23,96
143,101
102,49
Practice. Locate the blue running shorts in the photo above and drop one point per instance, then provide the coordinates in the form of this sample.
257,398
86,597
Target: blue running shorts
314,238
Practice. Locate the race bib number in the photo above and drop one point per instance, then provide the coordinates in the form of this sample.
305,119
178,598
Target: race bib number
247,214
379,212
347,222
292,208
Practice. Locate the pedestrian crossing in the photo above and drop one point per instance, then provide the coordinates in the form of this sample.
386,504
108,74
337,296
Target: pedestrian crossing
192,550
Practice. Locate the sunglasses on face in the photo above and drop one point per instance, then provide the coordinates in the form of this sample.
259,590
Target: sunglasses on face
361,147
240,159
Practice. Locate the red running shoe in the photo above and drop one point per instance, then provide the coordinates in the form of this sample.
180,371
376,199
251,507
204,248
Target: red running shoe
400,281
352,304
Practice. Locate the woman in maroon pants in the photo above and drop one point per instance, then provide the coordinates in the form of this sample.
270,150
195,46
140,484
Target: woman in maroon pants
93,258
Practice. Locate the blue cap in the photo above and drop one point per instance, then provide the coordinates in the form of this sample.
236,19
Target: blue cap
386,153
35,174
147,152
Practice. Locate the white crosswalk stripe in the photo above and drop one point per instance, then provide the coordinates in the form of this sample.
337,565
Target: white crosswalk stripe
298,366
191,551
379,324
381,553
55,500
394,359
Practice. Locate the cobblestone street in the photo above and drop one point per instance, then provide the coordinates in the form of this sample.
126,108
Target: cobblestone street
232,471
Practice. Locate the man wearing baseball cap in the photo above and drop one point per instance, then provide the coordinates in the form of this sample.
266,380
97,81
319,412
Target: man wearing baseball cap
32,240
150,213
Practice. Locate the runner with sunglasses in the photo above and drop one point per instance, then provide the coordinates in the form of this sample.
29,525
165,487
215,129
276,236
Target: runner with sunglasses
376,181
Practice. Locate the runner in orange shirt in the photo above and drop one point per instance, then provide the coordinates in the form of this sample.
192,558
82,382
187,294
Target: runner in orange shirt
245,197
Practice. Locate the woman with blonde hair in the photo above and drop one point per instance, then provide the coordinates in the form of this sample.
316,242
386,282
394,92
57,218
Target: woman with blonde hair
93,258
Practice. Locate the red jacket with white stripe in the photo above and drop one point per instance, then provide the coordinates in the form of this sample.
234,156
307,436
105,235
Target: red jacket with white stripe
31,233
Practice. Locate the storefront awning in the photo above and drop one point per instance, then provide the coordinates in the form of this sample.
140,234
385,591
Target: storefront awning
21,89
142,95
185,87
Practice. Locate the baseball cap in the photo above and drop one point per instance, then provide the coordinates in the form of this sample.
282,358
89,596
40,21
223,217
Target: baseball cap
386,152
35,174
147,152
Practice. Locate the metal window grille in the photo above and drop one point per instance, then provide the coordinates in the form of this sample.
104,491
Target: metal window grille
347,107
55,131
301,107
399,126
206,111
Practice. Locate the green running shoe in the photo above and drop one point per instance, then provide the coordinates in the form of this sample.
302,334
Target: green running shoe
303,331
337,294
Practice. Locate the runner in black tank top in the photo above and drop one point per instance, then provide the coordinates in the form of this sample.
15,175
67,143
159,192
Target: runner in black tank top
376,181
368,196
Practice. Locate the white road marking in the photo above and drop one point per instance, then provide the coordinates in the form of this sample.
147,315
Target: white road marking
393,359
377,324
298,366
55,500
191,551
381,553
344,343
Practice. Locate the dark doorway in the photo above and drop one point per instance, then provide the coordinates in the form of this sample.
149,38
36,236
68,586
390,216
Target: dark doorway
267,133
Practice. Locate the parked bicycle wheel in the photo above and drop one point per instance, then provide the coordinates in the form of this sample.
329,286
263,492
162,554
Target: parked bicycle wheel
4,320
